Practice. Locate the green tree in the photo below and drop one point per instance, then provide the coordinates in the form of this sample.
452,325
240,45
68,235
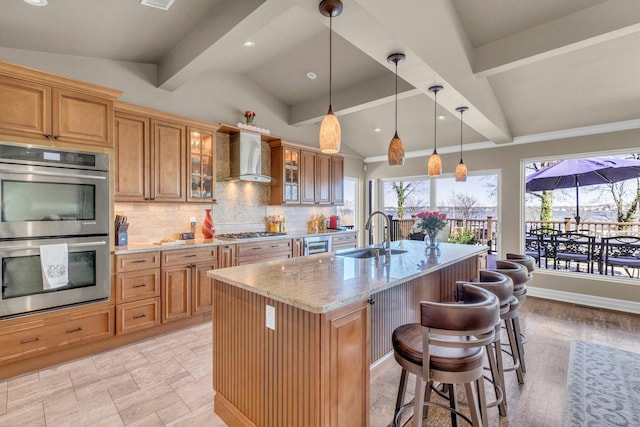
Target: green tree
402,192
546,200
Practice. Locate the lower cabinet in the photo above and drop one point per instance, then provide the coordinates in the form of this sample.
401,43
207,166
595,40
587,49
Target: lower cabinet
344,241
297,247
137,315
248,253
226,256
55,330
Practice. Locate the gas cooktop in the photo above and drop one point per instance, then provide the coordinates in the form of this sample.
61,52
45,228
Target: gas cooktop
249,235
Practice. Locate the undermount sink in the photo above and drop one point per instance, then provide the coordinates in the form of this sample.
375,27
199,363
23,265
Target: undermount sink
369,253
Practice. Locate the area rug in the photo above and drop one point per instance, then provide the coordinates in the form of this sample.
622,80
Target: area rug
603,387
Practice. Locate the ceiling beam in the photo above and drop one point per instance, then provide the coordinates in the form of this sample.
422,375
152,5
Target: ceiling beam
587,27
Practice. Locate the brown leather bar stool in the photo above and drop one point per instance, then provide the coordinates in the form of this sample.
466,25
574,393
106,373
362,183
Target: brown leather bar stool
519,274
502,287
528,261
451,338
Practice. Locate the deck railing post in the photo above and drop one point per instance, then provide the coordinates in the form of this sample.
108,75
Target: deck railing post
490,232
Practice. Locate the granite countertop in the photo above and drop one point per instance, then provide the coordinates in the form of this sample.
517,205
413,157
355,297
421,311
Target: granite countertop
200,243
325,282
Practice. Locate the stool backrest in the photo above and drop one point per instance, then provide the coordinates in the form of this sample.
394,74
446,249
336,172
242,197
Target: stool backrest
528,261
518,272
497,283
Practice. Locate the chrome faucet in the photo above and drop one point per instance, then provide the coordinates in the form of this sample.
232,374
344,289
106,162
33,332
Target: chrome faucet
387,242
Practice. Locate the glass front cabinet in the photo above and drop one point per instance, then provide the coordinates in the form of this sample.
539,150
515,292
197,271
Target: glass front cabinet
202,160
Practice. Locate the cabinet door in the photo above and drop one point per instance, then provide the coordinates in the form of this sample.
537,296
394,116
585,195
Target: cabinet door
25,109
81,118
323,175
337,180
176,293
226,256
307,177
202,288
131,139
168,153
297,247
346,364
201,172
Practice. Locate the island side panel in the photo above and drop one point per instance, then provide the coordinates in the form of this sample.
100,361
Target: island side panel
264,377
400,305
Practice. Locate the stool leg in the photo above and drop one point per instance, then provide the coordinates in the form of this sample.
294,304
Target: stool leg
518,333
514,349
476,418
482,401
418,401
402,390
497,377
453,403
500,366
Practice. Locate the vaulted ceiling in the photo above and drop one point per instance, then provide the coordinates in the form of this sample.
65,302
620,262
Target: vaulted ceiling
528,71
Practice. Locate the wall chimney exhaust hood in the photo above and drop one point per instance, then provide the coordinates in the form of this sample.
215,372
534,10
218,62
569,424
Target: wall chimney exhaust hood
246,158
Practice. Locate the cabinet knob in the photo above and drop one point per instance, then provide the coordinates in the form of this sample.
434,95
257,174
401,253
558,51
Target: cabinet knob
56,137
47,135
371,301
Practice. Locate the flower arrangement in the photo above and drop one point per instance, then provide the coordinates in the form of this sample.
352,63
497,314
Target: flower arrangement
431,222
249,116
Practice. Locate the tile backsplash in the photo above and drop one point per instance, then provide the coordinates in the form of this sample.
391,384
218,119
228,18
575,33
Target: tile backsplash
241,206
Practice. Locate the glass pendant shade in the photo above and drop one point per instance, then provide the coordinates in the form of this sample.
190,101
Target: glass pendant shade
395,154
434,166
461,172
396,151
330,134
461,169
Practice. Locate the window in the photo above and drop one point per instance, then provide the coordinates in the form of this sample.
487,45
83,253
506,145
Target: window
348,211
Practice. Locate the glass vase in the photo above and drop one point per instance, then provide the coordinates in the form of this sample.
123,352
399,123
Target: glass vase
208,228
431,239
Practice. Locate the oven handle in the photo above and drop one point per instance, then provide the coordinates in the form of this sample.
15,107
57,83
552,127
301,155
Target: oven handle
71,245
62,174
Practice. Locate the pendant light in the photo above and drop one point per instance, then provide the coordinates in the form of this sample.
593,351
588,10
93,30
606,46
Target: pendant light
434,165
461,169
395,154
330,134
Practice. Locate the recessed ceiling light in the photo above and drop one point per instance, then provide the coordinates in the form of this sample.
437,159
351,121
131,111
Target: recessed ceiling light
36,2
158,4
248,43
377,130
441,117
311,75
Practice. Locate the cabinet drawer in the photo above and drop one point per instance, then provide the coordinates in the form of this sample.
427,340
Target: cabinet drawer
266,249
137,315
24,339
88,326
188,256
344,239
138,261
137,285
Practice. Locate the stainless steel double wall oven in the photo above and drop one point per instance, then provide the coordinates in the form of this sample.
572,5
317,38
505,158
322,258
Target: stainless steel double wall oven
50,196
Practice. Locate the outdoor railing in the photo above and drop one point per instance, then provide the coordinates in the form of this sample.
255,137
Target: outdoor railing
593,228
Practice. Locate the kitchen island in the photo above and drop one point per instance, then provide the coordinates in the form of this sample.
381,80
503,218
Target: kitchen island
294,340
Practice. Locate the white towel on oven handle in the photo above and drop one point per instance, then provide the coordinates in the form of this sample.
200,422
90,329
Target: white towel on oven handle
55,265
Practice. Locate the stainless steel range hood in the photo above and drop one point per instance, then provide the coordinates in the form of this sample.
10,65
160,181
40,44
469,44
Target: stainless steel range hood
246,158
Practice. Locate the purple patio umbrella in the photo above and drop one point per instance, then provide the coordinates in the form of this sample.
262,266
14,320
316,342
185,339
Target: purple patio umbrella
581,172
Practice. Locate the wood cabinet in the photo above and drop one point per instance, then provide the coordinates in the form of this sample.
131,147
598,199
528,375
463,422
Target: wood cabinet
307,177
186,289
344,241
226,256
201,165
137,282
297,247
315,179
337,180
248,253
155,163
47,107
285,174
54,330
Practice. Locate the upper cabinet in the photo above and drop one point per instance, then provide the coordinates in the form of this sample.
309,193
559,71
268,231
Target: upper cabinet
201,165
301,175
162,158
47,107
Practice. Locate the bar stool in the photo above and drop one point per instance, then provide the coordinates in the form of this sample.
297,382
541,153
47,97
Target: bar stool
519,275
450,337
528,261
502,287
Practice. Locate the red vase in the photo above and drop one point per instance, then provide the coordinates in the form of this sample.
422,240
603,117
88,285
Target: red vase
208,229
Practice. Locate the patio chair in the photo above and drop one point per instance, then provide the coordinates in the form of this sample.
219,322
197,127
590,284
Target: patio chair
622,252
538,244
570,247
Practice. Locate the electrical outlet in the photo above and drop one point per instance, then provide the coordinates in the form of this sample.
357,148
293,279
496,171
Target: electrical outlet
270,317
192,219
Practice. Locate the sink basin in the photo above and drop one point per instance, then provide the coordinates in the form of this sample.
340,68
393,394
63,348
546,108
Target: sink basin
368,252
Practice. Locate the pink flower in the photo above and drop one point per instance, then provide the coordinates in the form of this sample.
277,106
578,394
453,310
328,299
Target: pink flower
248,114
431,222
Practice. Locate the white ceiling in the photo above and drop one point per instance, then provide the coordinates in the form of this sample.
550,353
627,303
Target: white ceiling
522,68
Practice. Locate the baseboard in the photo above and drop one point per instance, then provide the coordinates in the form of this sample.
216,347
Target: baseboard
588,300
